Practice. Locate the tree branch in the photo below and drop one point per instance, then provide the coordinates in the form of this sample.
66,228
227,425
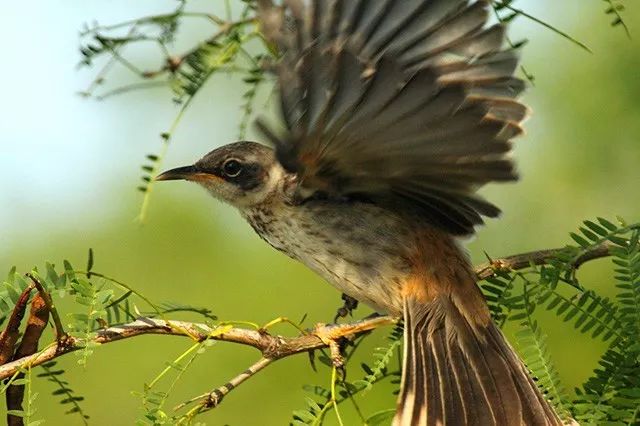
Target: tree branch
271,346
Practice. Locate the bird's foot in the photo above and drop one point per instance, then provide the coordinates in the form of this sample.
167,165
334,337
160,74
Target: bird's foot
330,335
349,305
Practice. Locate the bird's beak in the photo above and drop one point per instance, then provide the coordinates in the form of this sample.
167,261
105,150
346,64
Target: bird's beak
186,173
180,173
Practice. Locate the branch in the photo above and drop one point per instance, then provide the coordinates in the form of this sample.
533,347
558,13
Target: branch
273,347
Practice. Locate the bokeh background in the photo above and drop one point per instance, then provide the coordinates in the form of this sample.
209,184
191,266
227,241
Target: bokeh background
69,167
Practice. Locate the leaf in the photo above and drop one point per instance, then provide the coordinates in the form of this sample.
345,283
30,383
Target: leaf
68,269
604,222
304,415
596,228
580,240
313,405
381,417
11,275
13,294
90,262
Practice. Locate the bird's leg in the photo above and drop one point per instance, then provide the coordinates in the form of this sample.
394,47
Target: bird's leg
349,305
336,349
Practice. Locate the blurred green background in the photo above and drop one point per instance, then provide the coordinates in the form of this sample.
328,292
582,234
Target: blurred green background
69,167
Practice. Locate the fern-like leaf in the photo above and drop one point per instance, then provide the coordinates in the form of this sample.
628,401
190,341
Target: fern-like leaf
532,343
382,357
68,395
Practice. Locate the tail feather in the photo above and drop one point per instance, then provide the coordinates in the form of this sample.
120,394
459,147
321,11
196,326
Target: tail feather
459,373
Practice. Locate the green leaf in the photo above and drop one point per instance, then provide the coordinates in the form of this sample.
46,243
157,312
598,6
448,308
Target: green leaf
304,415
13,294
578,239
68,269
590,235
381,417
596,228
604,222
90,260
11,275
313,405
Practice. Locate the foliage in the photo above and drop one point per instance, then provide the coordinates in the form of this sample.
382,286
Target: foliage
614,9
63,390
29,410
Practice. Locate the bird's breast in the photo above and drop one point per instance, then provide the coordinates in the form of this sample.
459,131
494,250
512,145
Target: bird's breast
359,248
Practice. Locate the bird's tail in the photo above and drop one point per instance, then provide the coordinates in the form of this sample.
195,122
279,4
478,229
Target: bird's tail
457,372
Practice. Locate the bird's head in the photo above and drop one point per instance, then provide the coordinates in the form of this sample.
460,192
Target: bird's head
242,174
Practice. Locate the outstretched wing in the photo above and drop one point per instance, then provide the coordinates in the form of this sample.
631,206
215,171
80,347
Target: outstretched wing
410,101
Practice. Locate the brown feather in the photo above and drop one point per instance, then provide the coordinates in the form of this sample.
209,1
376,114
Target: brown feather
469,374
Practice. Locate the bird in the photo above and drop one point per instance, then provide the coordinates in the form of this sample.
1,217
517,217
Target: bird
391,116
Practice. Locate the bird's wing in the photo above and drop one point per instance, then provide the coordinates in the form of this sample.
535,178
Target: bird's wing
410,101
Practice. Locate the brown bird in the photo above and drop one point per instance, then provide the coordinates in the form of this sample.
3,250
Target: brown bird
393,114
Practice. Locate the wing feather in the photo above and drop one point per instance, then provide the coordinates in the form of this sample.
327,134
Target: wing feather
411,102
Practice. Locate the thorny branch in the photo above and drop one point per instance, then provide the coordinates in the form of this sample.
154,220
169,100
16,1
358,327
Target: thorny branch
271,347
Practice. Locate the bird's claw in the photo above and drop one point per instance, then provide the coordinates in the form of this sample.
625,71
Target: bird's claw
350,304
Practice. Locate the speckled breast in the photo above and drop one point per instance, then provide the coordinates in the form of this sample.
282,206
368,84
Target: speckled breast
358,247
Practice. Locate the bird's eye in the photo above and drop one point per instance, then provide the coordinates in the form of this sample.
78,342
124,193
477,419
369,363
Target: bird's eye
232,168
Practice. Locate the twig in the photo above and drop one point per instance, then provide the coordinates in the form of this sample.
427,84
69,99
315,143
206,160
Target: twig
10,335
544,24
213,398
173,63
539,257
61,335
603,250
105,69
37,322
615,10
